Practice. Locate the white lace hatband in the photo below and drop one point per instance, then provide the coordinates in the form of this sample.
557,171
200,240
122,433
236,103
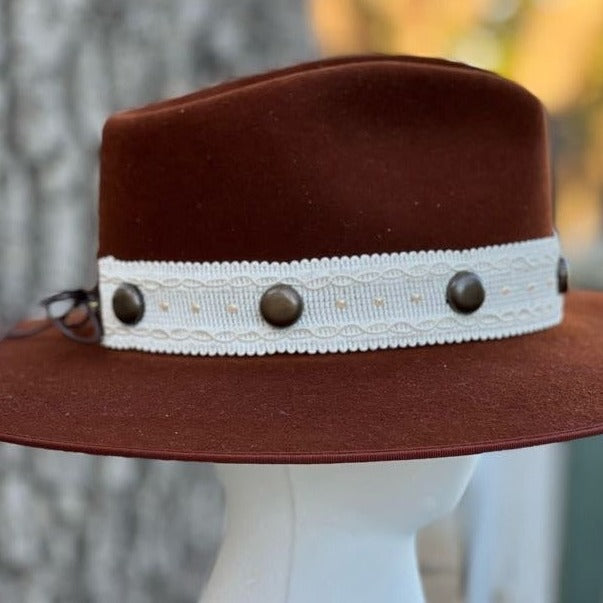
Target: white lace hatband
358,303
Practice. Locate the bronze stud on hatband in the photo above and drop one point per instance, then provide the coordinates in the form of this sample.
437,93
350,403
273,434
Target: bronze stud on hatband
465,292
128,304
562,275
281,305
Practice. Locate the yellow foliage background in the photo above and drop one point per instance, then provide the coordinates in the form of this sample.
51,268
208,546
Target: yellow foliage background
553,47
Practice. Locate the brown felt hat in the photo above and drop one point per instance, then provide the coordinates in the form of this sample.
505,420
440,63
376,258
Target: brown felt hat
348,260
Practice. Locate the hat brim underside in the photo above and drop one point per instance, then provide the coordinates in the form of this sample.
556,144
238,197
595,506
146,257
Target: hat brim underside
409,403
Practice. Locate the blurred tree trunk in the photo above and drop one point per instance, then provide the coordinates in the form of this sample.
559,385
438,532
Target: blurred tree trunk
77,528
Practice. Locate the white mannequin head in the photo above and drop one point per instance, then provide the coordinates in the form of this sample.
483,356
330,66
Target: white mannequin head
330,533
399,496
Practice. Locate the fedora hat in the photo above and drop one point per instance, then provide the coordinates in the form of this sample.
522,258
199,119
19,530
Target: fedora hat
348,260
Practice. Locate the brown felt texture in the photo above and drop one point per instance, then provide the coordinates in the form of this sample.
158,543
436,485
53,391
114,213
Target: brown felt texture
391,404
332,158
343,156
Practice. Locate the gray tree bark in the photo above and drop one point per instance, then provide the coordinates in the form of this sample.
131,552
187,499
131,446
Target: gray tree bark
78,528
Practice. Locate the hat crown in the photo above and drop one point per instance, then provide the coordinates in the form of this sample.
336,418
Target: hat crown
334,158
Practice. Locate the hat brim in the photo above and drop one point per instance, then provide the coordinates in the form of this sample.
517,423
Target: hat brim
364,406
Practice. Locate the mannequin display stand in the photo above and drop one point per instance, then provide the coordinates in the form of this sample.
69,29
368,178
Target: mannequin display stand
341,533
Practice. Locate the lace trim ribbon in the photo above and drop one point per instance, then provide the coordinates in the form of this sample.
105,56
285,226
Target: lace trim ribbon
357,303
